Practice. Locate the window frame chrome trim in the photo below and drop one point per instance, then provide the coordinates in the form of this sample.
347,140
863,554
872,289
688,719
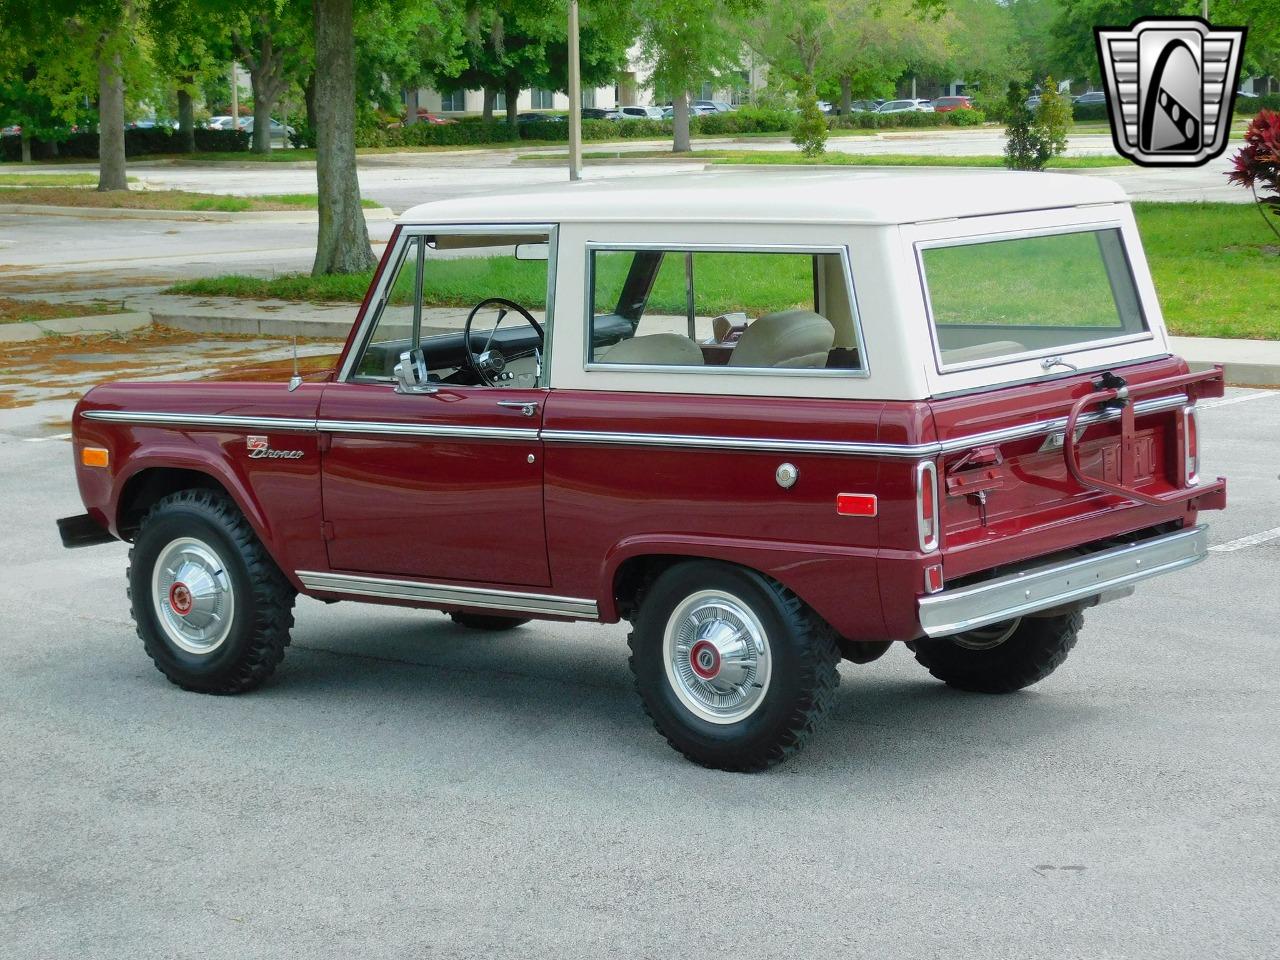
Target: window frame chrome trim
833,249
365,322
448,595
919,246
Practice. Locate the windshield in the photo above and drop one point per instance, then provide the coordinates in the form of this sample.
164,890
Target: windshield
1001,299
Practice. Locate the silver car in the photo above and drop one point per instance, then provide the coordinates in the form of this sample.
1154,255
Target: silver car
905,106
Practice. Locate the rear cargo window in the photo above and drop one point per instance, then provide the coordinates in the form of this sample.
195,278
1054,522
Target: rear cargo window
994,300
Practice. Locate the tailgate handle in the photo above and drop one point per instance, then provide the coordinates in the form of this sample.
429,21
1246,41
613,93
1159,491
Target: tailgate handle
1112,391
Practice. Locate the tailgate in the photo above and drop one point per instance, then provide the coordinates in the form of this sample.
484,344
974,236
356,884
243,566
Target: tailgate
1030,469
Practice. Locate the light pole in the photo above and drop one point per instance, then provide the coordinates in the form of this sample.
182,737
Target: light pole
575,97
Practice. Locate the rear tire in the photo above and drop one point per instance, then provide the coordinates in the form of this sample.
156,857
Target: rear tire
211,607
485,621
733,668
1004,657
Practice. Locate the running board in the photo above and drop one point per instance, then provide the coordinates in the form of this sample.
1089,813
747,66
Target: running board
447,595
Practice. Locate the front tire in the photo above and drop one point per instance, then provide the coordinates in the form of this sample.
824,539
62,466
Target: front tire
211,607
734,669
1004,657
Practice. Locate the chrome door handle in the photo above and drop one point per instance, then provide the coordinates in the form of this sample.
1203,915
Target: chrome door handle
527,407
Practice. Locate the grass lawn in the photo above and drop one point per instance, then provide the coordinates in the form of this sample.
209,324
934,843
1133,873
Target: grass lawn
1216,268
51,179
831,158
22,311
166,200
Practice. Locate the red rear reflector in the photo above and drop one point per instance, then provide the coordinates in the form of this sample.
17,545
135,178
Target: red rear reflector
933,578
856,504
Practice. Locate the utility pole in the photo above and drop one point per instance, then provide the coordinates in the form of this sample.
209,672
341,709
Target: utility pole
575,97
235,99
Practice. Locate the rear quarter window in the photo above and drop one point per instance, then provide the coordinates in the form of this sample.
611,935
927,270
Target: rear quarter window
997,299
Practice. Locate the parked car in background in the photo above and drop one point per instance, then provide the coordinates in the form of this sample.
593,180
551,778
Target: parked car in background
965,468
905,106
278,130
1093,96
635,112
865,106
718,106
595,113
13,131
540,118
1032,102
948,104
424,116
224,123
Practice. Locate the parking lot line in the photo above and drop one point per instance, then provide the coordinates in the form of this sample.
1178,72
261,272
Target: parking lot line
1241,398
1250,541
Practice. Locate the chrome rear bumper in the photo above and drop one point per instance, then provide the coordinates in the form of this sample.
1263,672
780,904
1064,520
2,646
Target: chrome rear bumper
1055,584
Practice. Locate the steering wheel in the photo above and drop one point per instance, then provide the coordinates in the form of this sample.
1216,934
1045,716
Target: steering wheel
490,364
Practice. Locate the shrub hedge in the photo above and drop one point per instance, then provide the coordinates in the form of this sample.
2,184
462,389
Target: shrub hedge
137,143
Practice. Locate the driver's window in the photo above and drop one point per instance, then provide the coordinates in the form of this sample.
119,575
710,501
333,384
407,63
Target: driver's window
494,286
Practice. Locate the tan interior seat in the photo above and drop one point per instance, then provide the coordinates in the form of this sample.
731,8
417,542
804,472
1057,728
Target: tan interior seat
659,349
789,338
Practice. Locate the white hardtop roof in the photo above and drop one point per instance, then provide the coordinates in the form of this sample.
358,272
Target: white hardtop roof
791,196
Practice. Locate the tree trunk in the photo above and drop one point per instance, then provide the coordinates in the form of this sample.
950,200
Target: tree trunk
111,167
846,96
186,120
261,123
411,105
342,245
487,110
266,75
680,122
309,99
26,146
513,95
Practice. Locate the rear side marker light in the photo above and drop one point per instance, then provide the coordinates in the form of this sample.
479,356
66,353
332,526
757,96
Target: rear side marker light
933,578
856,504
94,457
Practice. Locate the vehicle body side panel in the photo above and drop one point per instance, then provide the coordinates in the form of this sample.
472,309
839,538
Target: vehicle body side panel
280,497
617,500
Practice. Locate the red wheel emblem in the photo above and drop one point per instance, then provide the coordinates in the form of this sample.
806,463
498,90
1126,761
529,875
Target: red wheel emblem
180,599
704,660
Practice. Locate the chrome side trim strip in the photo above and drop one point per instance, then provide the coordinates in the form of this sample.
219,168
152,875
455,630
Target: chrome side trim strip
202,420
1041,588
427,430
449,596
904,450
838,447
740,443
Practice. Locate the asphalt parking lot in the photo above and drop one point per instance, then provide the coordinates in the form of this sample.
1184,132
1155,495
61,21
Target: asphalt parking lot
404,788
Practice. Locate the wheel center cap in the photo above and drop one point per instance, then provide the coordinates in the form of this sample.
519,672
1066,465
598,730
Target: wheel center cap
704,659
180,598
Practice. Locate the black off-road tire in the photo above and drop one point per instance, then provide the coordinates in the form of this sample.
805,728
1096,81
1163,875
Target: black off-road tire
486,621
1037,647
264,598
804,677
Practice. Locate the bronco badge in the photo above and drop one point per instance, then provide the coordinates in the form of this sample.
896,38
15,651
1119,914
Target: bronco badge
260,449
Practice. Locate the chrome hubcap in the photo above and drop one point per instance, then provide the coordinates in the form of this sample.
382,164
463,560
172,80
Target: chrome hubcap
987,638
192,594
717,656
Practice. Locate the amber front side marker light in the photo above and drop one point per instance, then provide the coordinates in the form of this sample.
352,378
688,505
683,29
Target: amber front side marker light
94,457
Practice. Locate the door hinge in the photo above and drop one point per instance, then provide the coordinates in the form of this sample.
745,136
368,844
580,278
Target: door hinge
326,530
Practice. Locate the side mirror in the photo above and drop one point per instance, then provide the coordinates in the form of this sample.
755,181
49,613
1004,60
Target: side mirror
411,373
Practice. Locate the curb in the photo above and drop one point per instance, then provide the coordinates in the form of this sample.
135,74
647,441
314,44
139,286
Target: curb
1238,358
69,326
257,326
208,216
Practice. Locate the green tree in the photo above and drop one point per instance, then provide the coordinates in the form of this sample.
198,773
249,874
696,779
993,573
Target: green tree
270,37
685,42
1053,117
1025,146
190,48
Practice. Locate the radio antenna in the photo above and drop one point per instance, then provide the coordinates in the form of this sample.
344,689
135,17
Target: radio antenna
296,380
